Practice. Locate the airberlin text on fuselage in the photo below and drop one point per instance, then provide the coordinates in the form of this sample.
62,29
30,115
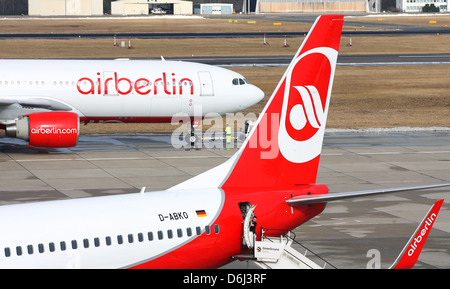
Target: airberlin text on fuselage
142,85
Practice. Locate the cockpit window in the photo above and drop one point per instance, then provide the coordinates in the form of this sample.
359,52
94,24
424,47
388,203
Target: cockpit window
239,81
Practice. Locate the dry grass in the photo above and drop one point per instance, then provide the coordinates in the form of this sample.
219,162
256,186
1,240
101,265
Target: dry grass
118,25
408,44
381,96
376,96
363,97
92,48
390,96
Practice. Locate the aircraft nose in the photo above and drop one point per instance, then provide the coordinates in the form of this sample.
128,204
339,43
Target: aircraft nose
254,96
259,94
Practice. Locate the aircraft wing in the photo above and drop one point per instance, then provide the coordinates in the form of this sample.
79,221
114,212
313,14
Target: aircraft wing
36,103
313,199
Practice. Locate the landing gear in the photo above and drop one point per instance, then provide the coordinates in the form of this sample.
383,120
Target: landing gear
193,138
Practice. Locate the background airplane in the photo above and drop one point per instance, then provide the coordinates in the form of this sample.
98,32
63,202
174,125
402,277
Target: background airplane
44,101
199,223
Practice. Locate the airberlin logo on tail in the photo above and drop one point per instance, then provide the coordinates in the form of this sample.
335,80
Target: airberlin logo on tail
311,111
307,93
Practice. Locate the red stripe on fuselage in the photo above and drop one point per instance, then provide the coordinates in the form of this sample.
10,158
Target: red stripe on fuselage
216,249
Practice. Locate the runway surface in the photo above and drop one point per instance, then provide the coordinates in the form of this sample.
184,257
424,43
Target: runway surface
343,234
184,35
284,60
343,60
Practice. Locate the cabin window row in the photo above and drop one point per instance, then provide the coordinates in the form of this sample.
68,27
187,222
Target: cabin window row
18,82
108,241
12,82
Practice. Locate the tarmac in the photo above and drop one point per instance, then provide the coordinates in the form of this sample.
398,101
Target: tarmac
356,233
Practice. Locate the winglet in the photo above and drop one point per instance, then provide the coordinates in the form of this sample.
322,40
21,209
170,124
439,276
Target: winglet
408,257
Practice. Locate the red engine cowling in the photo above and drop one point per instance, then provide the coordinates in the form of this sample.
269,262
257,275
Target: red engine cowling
56,129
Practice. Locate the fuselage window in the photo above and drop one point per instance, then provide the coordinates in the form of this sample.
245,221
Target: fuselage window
207,230
30,249
169,234
74,244
189,232
160,235
140,237
19,251
63,245
130,238
198,231
108,241
86,243
150,236
216,229
7,252
179,233
119,239
96,242
235,81
41,248
51,247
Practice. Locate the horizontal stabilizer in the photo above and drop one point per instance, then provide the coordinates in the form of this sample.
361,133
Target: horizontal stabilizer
410,254
314,199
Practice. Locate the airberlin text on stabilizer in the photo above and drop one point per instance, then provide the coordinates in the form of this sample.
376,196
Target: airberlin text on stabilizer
419,237
241,279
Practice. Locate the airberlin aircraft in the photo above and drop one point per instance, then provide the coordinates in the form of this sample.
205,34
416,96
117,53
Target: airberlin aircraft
44,101
199,223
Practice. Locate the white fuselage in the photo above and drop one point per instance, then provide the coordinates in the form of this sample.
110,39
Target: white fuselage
111,89
105,232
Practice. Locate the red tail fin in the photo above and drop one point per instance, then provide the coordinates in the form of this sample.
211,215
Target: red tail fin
284,148
408,257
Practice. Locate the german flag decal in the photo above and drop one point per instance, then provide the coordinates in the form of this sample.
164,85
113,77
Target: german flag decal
201,213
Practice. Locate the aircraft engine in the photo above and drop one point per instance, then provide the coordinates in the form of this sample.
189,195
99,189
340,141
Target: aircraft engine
56,129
